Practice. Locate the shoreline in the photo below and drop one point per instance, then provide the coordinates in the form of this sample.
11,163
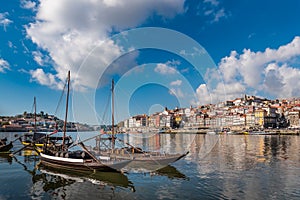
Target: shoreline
179,131
264,132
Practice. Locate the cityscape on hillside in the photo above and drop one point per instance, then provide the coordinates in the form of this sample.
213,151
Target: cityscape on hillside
44,123
240,114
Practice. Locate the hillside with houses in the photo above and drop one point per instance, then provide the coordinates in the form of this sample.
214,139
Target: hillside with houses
44,122
246,113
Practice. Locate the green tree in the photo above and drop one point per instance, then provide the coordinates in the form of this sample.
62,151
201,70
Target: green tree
25,114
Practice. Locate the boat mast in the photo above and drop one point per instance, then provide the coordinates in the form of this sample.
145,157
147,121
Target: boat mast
34,102
112,114
66,115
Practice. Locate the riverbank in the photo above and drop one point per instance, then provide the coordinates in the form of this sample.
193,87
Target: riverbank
215,131
38,130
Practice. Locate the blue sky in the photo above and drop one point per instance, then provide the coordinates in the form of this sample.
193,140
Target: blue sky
196,52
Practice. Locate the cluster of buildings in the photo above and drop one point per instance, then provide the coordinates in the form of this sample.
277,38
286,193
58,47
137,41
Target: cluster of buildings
44,123
246,113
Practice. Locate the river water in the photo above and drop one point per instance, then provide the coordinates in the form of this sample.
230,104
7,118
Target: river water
217,167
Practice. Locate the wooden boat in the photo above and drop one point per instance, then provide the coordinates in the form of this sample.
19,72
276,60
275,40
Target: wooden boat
60,155
4,147
36,138
140,159
33,137
143,160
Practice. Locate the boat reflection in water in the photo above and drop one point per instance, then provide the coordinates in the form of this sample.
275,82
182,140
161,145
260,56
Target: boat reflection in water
58,177
5,158
48,182
171,172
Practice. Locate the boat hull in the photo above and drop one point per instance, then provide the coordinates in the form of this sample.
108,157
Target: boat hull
6,148
148,161
76,164
30,143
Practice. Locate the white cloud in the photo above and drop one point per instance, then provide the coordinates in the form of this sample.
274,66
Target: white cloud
68,30
40,58
282,80
164,68
219,14
214,10
4,21
10,44
220,93
176,92
193,53
203,95
274,81
212,2
37,56
267,72
46,79
4,65
28,4
249,65
176,83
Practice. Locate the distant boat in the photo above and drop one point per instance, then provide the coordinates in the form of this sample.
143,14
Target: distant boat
60,156
165,130
226,131
257,133
37,138
262,132
4,147
213,131
33,137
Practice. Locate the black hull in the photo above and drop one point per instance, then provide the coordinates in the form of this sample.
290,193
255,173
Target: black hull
6,148
74,166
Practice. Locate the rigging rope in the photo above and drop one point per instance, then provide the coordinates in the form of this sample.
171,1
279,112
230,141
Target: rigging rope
106,108
32,108
60,99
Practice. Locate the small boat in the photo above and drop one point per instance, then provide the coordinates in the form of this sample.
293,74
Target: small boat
4,147
60,155
165,130
36,138
257,133
261,132
213,131
33,137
